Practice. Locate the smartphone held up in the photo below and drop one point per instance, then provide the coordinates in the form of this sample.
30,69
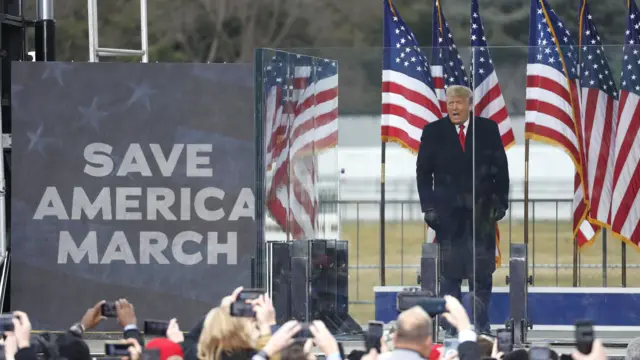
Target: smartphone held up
6,322
505,340
156,327
584,336
373,335
241,307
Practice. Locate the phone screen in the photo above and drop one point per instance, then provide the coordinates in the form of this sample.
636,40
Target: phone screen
450,346
539,352
156,327
373,335
116,349
505,341
242,309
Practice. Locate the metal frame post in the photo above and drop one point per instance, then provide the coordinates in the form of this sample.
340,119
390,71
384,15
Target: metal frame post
5,141
45,28
144,31
95,51
518,282
92,18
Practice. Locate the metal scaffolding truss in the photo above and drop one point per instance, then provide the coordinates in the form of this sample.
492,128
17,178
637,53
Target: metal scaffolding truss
95,51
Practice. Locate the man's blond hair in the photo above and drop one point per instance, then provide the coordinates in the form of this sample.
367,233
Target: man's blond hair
459,91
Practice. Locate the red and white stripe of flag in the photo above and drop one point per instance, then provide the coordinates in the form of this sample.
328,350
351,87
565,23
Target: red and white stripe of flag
551,106
408,105
600,116
625,211
311,126
488,102
437,74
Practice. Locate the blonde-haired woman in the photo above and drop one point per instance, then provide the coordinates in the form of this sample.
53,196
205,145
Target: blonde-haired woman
226,337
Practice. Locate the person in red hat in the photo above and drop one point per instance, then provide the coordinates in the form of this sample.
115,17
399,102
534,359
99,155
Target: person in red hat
436,351
168,349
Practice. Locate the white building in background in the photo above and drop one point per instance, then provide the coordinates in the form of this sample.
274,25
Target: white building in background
351,172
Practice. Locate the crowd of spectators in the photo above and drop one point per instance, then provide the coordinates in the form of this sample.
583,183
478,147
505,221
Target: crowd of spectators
225,333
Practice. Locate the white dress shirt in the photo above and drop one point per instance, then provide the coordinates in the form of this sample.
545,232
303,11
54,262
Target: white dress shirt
466,127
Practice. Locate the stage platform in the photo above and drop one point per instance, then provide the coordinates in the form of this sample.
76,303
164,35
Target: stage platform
547,306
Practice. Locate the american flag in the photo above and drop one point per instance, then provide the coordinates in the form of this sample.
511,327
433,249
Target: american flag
408,98
625,213
488,100
599,114
553,101
276,107
448,68
301,120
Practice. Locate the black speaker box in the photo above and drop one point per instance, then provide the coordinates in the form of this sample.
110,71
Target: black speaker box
300,307
280,283
309,268
342,277
312,283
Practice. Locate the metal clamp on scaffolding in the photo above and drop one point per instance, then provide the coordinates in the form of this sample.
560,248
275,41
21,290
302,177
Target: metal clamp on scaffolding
95,51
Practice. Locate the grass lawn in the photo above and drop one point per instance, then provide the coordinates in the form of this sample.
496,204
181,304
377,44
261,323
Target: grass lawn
548,244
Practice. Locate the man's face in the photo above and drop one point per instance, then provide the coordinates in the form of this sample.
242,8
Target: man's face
458,109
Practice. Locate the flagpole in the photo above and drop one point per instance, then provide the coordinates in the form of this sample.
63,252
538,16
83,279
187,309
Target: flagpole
382,214
526,193
383,156
575,238
532,27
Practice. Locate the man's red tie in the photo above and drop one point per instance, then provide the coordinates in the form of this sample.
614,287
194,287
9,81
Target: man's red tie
462,136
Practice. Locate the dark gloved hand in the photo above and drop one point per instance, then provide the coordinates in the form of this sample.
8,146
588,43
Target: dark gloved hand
499,213
431,218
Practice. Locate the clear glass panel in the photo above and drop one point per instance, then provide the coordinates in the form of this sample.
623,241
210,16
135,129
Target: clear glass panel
573,257
300,137
489,196
300,119
496,125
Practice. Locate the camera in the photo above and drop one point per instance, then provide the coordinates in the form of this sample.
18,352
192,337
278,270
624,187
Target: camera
108,309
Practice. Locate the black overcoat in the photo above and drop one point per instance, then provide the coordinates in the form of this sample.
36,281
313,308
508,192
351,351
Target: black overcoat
445,175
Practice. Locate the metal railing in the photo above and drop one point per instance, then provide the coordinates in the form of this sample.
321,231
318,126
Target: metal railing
553,260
